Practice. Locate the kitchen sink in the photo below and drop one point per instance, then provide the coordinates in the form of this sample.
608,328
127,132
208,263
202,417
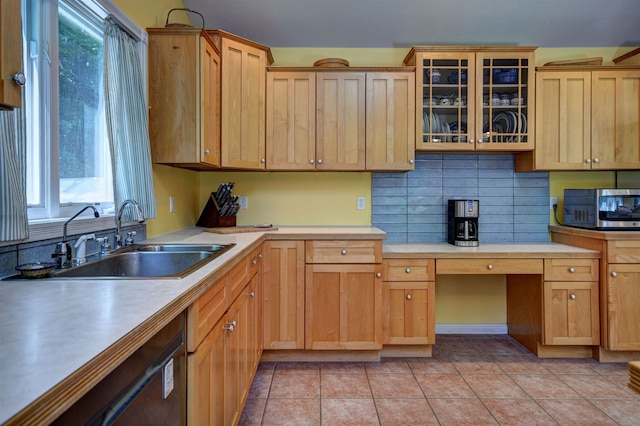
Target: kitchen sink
147,261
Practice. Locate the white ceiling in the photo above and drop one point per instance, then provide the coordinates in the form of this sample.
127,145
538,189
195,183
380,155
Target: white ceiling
404,23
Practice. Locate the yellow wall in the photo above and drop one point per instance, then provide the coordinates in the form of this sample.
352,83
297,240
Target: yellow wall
295,198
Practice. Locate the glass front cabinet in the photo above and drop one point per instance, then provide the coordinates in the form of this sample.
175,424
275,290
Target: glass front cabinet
474,98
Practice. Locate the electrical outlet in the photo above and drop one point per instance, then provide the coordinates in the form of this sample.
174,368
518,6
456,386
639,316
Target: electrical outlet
361,203
552,201
243,201
172,204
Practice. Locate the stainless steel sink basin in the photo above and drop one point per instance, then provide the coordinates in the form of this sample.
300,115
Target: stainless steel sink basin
147,261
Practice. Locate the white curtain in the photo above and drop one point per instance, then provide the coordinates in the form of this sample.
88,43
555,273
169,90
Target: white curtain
14,225
127,122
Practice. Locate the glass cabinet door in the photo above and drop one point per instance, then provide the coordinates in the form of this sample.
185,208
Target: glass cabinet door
445,83
505,112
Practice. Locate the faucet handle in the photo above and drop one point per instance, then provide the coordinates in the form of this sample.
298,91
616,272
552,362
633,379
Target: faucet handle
104,244
129,241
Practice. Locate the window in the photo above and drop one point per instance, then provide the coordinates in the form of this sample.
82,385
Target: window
68,159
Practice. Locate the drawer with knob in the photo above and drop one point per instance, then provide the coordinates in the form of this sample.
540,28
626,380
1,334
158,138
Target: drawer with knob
343,251
408,269
489,266
567,269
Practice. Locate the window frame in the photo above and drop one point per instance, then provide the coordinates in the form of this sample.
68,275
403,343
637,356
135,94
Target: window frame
44,228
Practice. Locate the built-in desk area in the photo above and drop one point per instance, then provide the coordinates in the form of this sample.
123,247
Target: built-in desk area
552,289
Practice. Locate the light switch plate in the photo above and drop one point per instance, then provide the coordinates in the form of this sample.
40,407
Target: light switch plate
361,203
243,201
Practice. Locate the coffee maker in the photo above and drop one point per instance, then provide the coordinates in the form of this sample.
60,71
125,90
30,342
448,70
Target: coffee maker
462,225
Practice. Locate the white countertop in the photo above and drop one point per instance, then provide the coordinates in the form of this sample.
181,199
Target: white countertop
52,329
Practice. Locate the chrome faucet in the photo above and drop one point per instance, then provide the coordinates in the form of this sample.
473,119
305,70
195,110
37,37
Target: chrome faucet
62,255
141,219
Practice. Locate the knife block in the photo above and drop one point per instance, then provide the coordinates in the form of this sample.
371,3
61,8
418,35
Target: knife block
210,216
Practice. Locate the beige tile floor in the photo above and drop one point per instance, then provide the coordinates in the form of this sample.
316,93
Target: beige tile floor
470,380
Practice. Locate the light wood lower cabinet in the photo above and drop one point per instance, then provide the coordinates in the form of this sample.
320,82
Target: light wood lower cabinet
623,290
224,346
284,295
570,297
343,306
409,301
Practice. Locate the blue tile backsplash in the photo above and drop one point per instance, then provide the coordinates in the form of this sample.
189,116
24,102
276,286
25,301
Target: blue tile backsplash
412,207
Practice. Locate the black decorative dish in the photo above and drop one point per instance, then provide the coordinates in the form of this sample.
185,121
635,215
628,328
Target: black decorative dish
35,269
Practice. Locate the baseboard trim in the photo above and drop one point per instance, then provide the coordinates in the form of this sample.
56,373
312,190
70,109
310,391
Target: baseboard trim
471,329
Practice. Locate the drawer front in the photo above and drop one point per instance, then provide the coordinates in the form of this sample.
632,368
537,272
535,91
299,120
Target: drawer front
623,251
408,269
239,276
343,251
203,314
571,269
489,266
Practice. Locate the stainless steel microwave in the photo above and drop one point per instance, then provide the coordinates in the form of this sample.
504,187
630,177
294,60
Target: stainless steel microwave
602,208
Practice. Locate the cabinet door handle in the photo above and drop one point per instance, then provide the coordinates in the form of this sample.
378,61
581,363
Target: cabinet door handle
409,297
408,270
344,251
595,160
572,270
614,274
252,294
411,161
588,160
312,161
572,297
19,78
319,160
378,274
254,262
262,160
259,255
207,152
490,267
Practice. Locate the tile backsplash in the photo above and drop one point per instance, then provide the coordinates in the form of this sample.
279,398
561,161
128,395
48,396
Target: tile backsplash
412,207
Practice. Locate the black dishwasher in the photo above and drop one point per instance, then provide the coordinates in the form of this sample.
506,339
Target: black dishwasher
148,388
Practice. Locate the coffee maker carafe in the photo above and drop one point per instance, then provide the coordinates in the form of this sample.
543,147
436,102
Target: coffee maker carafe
462,225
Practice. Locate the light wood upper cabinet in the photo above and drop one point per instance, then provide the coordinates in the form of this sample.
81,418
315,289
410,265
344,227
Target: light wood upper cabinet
390,142
615,104
340,115
455,90
291,120
589,119
184,85
563,128
243,80
10,54
351,120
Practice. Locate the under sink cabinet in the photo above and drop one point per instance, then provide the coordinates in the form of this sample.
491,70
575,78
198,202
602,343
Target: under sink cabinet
474,98
224,344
